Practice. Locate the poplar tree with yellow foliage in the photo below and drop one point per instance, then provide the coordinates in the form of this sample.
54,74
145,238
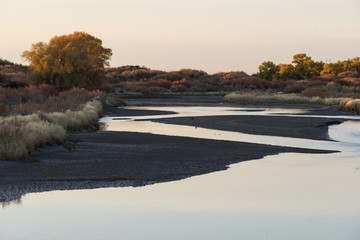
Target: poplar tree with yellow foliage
73,60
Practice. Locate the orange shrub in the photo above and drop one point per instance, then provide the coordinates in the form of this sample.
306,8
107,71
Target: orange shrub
349,74
46,89
192,73
333,84
171,76
348,81
203,87
164,83
233,75
184,81
178,88
142,89
315,92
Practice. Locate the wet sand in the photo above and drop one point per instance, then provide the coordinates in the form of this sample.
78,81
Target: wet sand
114,159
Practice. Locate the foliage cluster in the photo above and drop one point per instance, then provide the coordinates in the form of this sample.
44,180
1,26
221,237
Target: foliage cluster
67,61
303,67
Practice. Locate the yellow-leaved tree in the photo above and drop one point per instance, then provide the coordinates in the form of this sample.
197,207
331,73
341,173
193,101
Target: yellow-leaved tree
73,60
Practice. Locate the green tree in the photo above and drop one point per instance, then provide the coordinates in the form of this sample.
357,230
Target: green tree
267,70
74,60
305,67
333,68
355,65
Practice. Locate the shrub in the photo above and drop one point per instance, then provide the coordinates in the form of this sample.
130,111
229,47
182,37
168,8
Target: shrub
19,136
75,120
349,74
171,76
3,109
178,88
349,104
163,83
143,89
315,92
252,83
348,81
203,87
294,87
192,73
185,82
47,90
2,78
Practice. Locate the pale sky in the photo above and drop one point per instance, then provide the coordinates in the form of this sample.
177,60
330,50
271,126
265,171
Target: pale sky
210,35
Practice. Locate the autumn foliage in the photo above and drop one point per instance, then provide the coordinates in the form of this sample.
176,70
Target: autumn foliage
67,61
303,67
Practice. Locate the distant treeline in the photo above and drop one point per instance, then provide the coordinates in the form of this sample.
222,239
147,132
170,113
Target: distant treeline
303,75
303,67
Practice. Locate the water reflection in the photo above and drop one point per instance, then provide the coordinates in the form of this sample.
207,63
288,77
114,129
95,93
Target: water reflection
13,202
347,132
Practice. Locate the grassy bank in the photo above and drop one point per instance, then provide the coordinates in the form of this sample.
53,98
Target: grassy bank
348,104
21,135
35,116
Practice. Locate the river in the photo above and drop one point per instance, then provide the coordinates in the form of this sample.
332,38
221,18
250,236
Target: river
285,196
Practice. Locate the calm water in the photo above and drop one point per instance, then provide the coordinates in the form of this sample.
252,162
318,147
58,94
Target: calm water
286,196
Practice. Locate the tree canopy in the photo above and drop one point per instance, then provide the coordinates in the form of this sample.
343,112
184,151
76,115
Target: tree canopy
73,60
303,67
267,70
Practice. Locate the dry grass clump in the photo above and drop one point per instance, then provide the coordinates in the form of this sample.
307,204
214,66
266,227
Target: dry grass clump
249,97
75,120
21,135
351,105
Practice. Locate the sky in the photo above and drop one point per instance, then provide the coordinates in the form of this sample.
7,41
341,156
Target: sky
209,35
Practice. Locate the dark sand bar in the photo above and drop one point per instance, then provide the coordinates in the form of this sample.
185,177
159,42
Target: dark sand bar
116,159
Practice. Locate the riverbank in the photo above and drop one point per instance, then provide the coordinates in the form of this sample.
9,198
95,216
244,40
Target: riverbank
112,159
